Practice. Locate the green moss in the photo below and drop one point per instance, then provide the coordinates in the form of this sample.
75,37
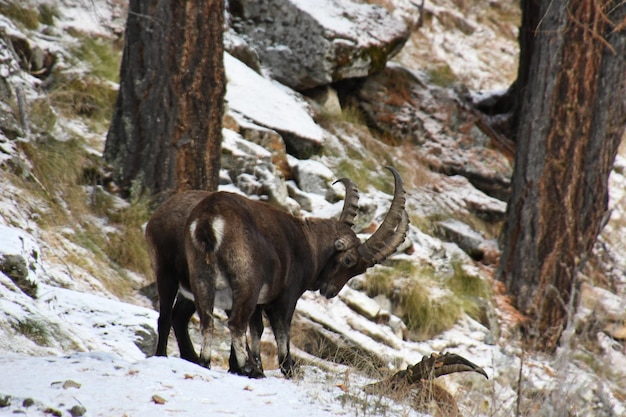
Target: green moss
470,291
466,285
27,16
42,116
441,74
101,54
47,14
83,97
430,301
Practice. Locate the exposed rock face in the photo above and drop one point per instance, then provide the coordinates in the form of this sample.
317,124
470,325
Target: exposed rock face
306,44
250,169
408,110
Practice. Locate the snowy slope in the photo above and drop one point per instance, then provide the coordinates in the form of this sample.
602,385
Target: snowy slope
93,345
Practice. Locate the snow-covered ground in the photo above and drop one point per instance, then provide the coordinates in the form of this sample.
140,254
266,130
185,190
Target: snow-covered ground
104,384
79,349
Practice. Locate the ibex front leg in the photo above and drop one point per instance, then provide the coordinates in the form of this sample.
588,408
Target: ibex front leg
280,314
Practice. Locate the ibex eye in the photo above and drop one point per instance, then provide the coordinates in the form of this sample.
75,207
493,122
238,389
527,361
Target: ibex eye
348,261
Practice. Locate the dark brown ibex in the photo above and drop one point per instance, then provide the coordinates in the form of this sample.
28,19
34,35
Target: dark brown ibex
222,249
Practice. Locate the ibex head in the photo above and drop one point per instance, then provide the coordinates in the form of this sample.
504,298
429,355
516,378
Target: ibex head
353,257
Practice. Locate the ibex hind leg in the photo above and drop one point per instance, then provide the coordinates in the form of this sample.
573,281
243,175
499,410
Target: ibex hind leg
280,319
183,310
256,331
254,349
240,362
204,292
167,289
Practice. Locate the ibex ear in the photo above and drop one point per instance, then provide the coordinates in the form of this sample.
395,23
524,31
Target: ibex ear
341,244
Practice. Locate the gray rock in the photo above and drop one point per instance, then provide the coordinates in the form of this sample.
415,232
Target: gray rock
306,44
19,259
299,196
313,177
469,240
146,339
250,169
402,106
262,136
240,49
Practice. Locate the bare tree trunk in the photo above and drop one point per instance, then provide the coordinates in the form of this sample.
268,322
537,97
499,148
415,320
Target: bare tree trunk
571,120
165,134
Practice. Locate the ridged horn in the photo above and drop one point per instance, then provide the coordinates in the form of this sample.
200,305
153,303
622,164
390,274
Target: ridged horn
351,202
392,231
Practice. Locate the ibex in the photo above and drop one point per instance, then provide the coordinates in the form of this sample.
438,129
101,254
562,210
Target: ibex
223,249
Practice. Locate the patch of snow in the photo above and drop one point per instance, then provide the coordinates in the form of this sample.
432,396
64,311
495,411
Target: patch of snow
107,385
260,100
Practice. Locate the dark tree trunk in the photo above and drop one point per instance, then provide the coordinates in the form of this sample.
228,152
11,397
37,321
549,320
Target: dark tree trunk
571,118
165,134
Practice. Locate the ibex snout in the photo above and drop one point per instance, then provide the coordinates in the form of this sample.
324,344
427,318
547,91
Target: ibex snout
329,290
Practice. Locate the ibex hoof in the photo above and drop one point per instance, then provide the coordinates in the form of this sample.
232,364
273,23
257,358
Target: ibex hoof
250,370
204,363
290,369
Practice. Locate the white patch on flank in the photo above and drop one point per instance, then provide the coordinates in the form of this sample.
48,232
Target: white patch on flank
185,293
218,231
192,232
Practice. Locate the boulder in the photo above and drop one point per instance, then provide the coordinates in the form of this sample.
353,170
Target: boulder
305,44
250,169
267,138
313,176
470,241
270,105
402,106
19,259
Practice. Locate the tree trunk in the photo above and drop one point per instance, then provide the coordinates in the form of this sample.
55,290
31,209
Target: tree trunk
165,135
571,120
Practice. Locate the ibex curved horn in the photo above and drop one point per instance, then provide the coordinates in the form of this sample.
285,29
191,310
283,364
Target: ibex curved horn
392,231
351,202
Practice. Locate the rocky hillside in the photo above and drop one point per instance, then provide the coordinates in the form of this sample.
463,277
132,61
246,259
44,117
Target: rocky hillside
316,91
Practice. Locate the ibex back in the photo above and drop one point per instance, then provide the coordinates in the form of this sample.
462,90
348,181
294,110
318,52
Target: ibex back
222,249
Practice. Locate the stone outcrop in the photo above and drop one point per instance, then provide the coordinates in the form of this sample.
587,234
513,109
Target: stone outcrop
305,44
406,109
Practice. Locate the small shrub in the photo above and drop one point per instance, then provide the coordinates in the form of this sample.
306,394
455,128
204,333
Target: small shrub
426,315
378,281
57,168
86,97
33,329
42,116
128,248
